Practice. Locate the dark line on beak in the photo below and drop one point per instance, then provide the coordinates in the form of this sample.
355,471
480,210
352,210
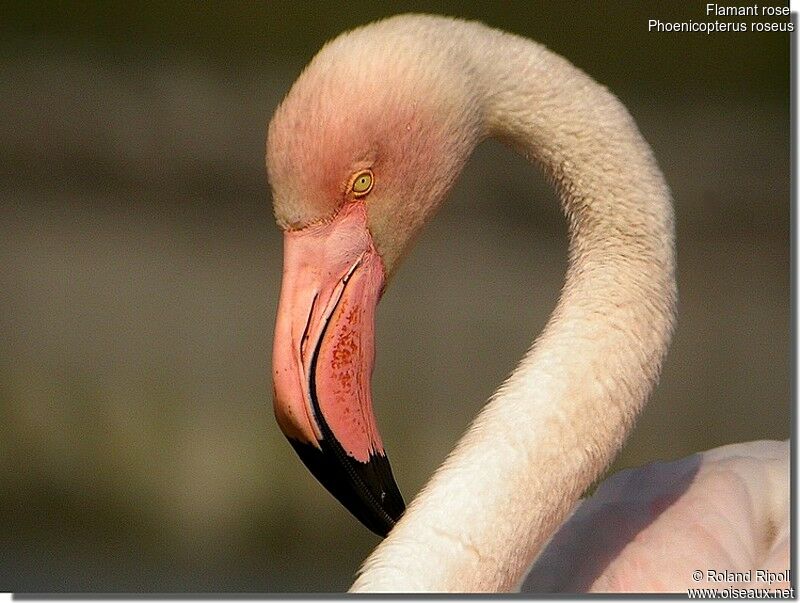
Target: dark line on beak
304,337
344,459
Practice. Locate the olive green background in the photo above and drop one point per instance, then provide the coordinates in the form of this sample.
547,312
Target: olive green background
140,268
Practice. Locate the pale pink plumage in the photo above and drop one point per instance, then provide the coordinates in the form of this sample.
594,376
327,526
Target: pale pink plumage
649,529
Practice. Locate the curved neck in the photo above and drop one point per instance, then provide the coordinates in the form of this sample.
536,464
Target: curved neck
555,425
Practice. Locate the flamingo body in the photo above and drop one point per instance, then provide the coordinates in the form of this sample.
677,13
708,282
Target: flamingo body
360,155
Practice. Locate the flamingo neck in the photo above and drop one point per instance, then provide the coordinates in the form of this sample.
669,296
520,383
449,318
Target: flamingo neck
556,424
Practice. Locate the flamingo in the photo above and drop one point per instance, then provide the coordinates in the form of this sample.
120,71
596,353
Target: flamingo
360,154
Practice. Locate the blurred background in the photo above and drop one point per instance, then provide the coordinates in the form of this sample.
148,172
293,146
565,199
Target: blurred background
140,269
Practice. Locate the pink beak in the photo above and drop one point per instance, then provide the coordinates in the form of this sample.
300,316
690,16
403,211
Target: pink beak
322,363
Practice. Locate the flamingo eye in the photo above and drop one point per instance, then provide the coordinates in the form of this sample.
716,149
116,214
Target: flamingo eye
362,183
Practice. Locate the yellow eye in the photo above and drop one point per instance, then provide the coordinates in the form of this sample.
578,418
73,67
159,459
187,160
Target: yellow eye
362,183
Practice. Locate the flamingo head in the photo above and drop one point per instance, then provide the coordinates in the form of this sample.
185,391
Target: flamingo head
360,152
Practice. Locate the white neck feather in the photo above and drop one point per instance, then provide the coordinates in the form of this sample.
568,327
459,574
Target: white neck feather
556,424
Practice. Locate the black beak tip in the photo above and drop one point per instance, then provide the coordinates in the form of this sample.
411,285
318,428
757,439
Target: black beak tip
368,490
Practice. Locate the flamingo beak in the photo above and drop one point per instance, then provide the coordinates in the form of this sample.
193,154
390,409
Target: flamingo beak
322,360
